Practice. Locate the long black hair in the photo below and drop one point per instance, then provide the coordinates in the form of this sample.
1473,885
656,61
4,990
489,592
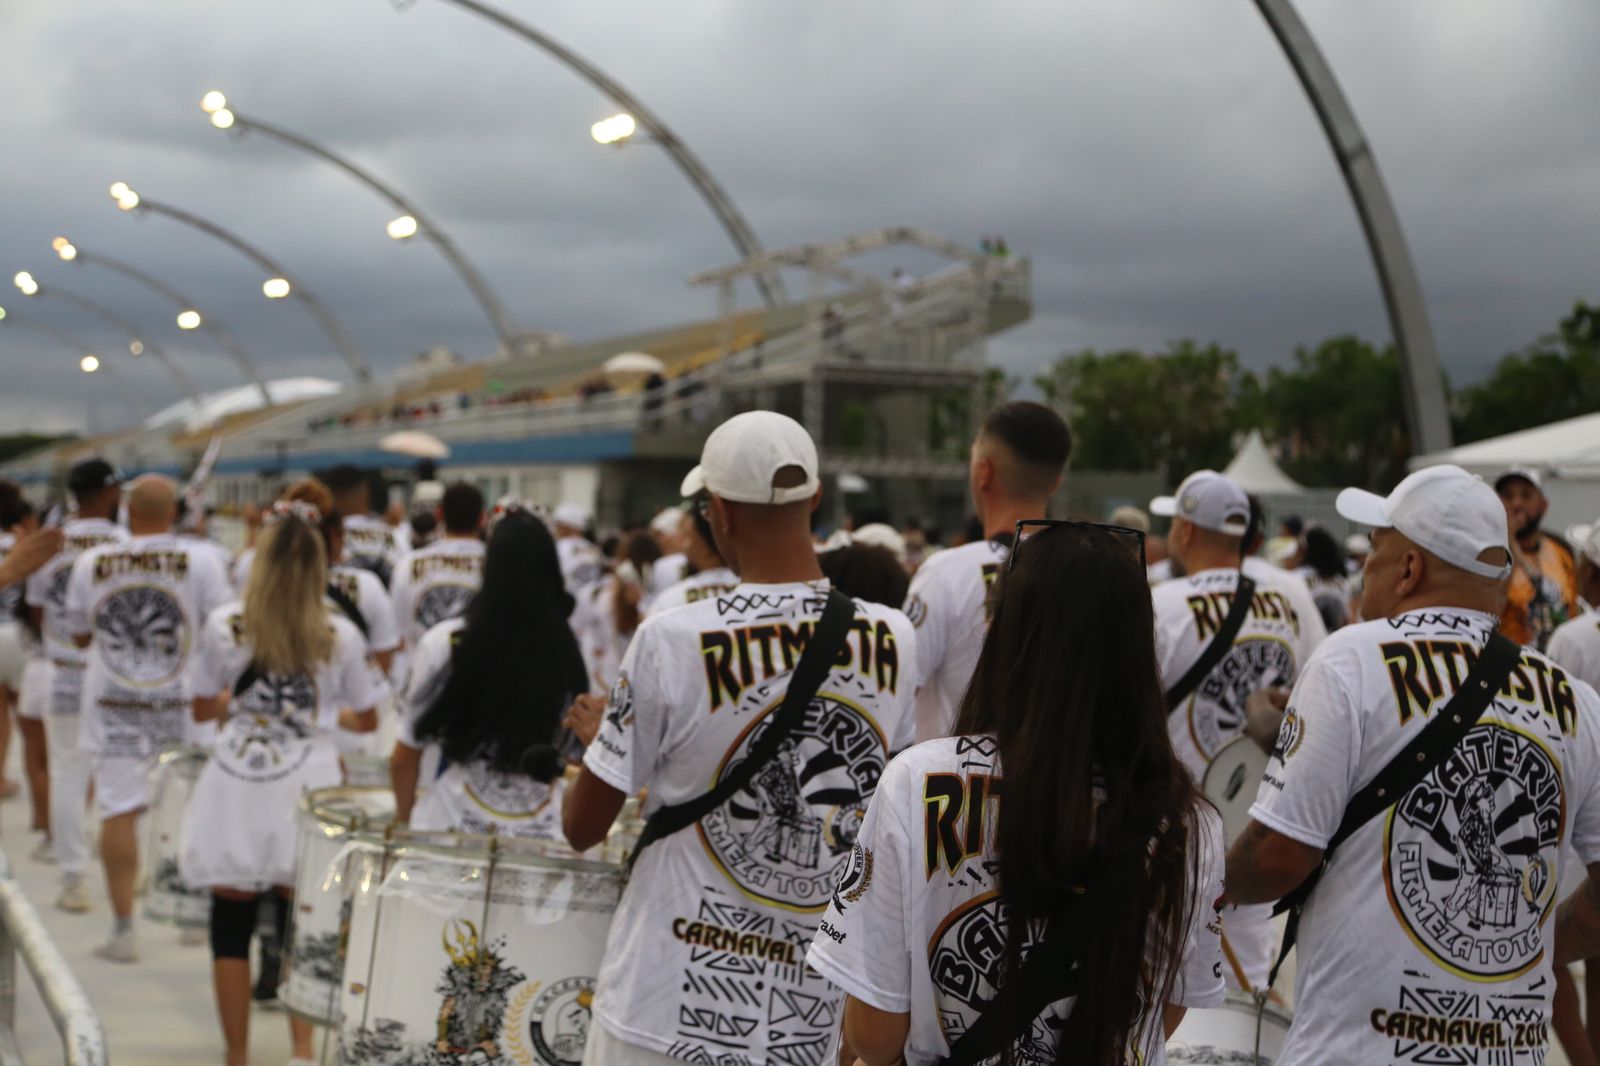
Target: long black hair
515,665
1067,684
1324,554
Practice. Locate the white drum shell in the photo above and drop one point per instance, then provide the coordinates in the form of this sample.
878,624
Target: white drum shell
167,897
1227,1034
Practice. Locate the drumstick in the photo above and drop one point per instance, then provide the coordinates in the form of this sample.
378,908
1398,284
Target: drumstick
1238,972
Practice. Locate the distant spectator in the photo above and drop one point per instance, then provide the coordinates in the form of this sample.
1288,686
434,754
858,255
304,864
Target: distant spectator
866,572
1543,592
1326,576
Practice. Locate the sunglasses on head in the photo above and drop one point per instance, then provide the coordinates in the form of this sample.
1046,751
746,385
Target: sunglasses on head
1029,526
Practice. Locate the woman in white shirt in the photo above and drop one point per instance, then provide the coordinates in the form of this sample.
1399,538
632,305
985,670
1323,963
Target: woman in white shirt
282,672
1101,854
490,688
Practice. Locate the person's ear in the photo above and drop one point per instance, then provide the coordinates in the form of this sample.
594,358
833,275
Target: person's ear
1409,575
816,500
985,473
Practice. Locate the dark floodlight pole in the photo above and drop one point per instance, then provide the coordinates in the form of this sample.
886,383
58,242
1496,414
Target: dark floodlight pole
135,336
211,326
85,352
744,238
1427,412
314,306
225,118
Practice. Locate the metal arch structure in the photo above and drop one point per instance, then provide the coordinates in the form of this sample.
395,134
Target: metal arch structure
314,306
82,349
721,204
486,297
1427,412
134,333
222,336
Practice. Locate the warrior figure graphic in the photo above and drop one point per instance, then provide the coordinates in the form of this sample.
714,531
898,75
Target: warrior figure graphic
475,987
786,830
1486,874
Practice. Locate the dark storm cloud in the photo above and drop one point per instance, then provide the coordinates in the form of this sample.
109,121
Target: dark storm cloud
1156,159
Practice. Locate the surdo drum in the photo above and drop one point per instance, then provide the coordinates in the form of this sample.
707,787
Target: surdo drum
1229,1033
328,822
474,949
167,898
1231,782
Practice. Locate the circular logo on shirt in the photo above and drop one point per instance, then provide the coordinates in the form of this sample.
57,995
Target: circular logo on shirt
1467,854
1291,733
783,835
142,635
442,603
966,958
269,728
1216,710
504,795
559,1021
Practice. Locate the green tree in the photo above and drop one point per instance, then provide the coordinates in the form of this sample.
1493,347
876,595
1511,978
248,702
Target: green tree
22,443
1174,412
1556,377
1338,413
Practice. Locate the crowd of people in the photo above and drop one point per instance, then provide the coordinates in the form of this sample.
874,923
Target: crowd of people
1031,797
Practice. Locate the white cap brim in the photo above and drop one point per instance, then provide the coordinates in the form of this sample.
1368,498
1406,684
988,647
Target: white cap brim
694,483
1164,506
1362,507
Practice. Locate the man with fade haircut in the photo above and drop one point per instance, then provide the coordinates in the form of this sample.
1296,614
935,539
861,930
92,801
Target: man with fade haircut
705,961
1017,464
1428,935
1543,592
435,583
369,541
137,606
96,489
1211,521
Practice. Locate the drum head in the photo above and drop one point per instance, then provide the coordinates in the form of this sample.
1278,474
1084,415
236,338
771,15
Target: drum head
1231,782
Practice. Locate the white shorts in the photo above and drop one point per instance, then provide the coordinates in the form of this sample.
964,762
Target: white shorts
13,656
121,785
35,690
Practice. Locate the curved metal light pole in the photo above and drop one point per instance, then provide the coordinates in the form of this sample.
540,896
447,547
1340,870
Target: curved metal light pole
1427,412
129,200
137,342
188,316
744,238
412,223
89,363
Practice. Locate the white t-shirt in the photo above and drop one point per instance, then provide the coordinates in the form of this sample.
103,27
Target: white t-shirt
1330,594
142,601
1156,573
10,595
435,583
241,569
1428,938
705,585
1293,586
947,603
668,571
47,589
370,544
581,563
1576,646
372,600
594,625
472,797
917,926
723,911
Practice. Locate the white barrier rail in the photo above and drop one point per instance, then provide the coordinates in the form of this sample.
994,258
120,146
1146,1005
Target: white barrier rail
22,934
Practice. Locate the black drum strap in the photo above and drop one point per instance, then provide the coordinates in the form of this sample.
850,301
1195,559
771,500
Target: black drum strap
342,600
1242,595
827,639
1437,741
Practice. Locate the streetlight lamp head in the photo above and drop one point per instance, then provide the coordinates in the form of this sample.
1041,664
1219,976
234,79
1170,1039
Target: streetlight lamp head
212,102
222,119
614,130
89,364
119,189
275,288
189,318
402,227
128,200
136,347
2,314
65,249
24,281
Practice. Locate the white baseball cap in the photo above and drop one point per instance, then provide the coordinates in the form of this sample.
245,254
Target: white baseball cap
1526,473
1358,544
666,521
745,453
575,515
1442,509
1585,540
1209,500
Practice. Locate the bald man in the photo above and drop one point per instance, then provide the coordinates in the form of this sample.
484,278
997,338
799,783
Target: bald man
137,607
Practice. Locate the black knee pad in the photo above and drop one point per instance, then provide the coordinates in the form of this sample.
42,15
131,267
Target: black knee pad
232,923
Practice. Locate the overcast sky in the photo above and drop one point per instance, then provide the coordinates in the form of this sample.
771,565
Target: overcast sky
1155,158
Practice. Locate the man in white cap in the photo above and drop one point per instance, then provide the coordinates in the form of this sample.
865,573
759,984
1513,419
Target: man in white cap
1427,937
668,530
1213,662
581,562
705,959
1576,644
1016,465
1543,591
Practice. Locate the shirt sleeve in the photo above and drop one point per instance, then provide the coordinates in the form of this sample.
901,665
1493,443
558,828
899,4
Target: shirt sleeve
627,751
75,611
241,570
400,595
1313,766
214,588
1199,982
382,632
1586,740
360,687
431,656
904,732
205,670
862,943
928,607
36,589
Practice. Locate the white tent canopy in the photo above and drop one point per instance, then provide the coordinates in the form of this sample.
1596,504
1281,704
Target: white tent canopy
1254,470
1565,453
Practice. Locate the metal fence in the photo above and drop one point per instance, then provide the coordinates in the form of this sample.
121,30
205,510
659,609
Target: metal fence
23,935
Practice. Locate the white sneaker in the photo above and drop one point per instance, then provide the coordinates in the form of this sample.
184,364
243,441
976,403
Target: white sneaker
122,947
74,898
44,850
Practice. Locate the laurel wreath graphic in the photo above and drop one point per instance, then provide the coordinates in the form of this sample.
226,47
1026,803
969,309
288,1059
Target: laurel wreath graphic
515,1041
855,894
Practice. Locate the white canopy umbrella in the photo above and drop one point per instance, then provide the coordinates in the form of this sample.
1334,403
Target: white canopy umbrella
1254,470
416,444
630,365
